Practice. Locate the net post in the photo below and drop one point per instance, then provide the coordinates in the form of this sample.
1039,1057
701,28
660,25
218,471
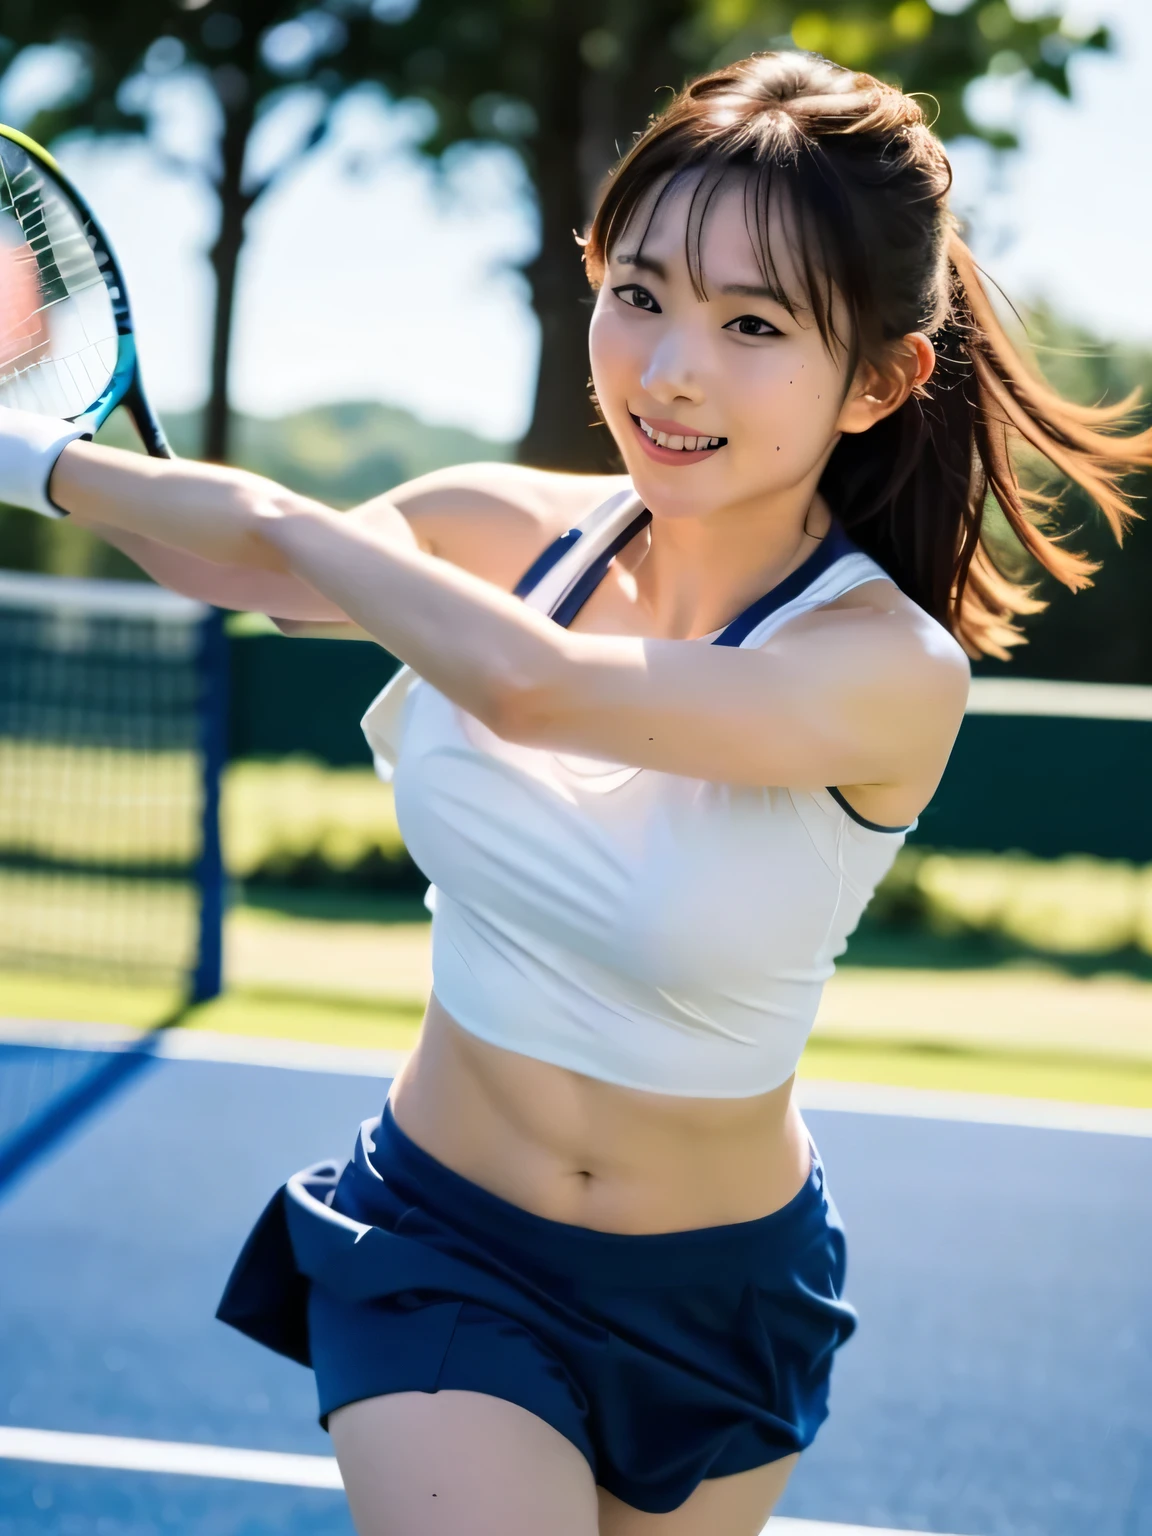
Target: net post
212,673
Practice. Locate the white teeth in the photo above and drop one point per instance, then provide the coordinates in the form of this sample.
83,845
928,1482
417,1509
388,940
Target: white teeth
676,441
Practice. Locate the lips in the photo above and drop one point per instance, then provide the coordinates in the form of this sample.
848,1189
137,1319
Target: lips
677,438
678,458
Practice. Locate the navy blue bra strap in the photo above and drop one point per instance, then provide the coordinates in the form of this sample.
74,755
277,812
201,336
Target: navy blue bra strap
831,548
540,567
873,826
590,579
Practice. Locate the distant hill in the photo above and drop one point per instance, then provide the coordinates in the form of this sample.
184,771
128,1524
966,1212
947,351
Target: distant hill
339,454
342,454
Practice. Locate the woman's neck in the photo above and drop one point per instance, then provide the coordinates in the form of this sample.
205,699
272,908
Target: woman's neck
693,575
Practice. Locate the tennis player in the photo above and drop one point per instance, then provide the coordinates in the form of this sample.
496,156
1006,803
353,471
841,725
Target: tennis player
659,736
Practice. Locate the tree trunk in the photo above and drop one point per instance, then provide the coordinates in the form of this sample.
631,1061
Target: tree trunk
565,433
585,115
225,256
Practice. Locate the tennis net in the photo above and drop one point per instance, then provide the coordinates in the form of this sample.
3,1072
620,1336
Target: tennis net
112,737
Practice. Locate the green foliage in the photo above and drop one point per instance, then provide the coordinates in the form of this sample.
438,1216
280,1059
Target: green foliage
913,45
1104,633
250,57
1070,907
299,825
344,454
564,85
248,54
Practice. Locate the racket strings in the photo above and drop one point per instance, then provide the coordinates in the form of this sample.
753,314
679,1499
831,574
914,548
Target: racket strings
60,341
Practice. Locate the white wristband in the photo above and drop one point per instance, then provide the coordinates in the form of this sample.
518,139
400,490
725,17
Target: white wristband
29,447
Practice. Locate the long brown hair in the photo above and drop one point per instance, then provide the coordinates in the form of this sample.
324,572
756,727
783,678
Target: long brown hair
866,184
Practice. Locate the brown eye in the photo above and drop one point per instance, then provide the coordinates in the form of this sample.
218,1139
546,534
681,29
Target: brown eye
641,298
746,322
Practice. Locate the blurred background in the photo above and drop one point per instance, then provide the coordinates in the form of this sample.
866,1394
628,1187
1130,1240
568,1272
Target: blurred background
347,233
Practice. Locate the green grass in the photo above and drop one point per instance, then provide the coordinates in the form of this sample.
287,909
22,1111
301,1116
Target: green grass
103,805
392,1024
877,944
328,906
99,805
296,823
1025,1074
278,814
266,1011
26,995
1071,906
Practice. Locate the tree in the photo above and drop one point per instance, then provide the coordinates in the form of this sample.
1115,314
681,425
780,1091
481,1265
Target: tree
250,56
1102,634
569,84
564,83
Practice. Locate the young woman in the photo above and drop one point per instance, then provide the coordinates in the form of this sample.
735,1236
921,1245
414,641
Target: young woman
659,737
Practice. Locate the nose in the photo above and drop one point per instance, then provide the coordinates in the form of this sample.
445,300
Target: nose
672,373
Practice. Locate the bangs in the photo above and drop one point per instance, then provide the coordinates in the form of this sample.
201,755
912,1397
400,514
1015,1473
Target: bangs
794,235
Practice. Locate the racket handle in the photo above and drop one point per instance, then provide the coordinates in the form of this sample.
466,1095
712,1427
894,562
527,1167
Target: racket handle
146,422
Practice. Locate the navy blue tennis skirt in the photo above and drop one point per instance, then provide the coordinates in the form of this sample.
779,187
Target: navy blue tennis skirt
666,1358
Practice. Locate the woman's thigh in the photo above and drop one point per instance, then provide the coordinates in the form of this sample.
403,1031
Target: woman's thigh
720,1506
454,1463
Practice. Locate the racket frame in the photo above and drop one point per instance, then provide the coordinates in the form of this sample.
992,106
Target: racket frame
124,386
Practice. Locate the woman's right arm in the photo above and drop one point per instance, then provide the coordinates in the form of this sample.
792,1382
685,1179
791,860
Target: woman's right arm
225,586
492,519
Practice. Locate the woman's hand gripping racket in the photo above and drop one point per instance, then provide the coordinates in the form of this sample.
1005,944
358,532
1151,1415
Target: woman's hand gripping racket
67,346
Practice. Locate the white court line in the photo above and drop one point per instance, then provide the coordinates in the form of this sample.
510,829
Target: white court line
296,1055
972,1108
113,1453
1035,696
811,1093
781,1525
121,1455
204,1045
84,595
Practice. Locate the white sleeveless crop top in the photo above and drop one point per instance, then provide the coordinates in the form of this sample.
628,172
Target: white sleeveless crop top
639,927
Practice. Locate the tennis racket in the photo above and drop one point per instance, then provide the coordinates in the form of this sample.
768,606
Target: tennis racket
67,346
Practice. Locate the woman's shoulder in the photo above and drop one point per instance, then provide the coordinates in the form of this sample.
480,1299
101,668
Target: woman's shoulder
878,626
494,519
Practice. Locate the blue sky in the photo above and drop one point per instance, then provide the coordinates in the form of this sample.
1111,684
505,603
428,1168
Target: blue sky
391,284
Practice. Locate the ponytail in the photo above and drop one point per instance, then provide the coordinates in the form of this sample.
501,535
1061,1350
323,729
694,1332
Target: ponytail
913,491
1084,444
854,158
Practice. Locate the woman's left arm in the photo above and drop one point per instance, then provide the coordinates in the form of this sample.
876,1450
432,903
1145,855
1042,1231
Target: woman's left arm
856,696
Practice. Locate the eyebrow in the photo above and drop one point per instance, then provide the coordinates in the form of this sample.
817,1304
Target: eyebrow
743,290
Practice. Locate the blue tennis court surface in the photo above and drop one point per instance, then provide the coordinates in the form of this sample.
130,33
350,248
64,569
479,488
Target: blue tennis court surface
1000,1383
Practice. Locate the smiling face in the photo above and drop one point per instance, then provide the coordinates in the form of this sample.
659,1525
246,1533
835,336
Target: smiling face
734,366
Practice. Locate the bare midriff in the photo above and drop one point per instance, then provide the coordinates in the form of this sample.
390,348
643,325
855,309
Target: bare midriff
574,1149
